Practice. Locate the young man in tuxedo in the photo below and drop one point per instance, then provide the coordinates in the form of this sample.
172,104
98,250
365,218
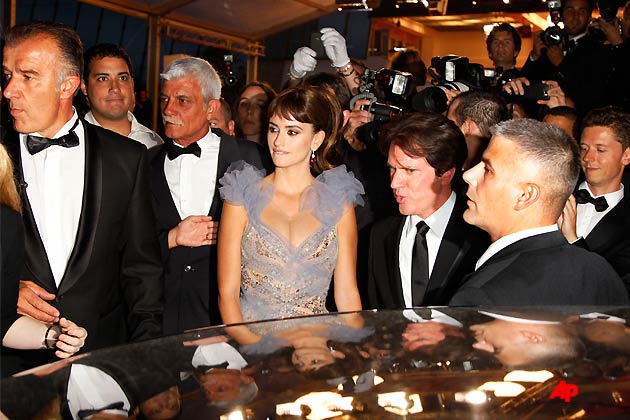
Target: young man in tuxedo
411,268
596,216
516,194
185,173
91,248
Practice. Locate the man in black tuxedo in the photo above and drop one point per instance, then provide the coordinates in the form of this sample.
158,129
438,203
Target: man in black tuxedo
91,249
426,154
596,216
516,194
185,174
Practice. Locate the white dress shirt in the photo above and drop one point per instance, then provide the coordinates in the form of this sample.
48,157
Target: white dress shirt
54,179
588,217
437,223
508,240
138,132
90,388
192,180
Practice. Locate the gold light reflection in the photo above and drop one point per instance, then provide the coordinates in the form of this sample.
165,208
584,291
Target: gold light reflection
503,389
528,376
323,405
234,415
399,403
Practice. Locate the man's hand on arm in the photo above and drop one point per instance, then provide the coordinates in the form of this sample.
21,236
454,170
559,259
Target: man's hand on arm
194,231
32,302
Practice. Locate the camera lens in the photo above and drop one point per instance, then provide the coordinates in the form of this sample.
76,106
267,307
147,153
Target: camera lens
230,80
552,36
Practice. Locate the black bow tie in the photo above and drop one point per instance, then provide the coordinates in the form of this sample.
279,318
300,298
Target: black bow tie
173,151
36,144
583,197
83,414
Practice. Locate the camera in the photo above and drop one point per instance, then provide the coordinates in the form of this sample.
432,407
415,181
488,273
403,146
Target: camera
533,92
451,72
392,87
608,12
230,78
554,35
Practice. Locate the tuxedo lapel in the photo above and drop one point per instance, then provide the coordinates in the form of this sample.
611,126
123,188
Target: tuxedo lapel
391,247
533,243
166,205
36,260
227,151
452,249
90,211
604,234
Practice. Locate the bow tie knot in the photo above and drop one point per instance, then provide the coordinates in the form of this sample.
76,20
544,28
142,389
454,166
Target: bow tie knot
36,144
173,151
584,197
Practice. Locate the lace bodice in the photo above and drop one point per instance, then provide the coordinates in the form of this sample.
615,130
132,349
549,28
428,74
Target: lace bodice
279,279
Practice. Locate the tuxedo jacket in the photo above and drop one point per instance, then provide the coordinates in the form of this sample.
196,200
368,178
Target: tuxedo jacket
460,248
610,238
112,284
190,273
543,270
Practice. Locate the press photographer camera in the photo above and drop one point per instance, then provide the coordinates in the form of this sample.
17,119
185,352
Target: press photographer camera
388,91
452,72
608,11
230,78
554,35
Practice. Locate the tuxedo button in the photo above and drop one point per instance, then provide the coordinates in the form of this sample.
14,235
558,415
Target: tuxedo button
58,298
188,268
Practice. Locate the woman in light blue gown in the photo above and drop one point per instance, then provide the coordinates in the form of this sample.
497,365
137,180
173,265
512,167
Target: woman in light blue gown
283,236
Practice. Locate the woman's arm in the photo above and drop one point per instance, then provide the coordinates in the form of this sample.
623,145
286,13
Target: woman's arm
346,291
231,228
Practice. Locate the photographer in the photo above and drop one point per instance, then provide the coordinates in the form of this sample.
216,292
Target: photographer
575,59
504,45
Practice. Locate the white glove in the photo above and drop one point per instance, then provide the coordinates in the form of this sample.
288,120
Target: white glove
335,46
303,61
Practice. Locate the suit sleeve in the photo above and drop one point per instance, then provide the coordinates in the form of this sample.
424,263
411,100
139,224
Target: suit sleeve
141,269
471,296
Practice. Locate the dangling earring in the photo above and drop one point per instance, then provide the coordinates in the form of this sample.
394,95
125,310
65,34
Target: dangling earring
312,157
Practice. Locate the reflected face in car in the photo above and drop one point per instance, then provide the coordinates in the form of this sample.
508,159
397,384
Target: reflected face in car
313,358
165,405
503,339
221,384
423,334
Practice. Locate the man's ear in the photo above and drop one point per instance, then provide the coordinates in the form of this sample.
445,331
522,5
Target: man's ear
471,128
213,107
530,193
84,88
625,157
346,117
69,86
532,336
447,176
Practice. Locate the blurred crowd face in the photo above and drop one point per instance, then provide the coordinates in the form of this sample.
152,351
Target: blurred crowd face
291,142
223,384
250,106
313,358
165,405
31,69
186,116
576,16
416,187
603,159
109,89
563,123
503,50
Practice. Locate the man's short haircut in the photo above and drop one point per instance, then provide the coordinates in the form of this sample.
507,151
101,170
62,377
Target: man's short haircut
615,118
200,70
100,51
568,113
432,136
484,108
560,350
226,109
591,5
65,37
504,27
552,150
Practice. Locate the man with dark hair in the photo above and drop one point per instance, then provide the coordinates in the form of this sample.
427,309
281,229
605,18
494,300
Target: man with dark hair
565,118
504,45
419,258
596,216
108,86
185,173
475,112
575,64
516,194
91,248
409,60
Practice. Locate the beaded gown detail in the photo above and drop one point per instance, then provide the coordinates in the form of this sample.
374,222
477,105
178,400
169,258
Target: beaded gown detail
279,279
